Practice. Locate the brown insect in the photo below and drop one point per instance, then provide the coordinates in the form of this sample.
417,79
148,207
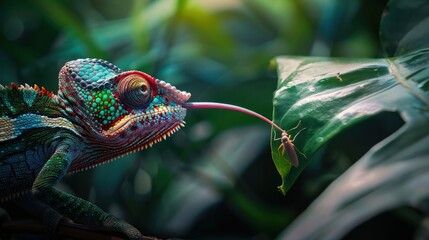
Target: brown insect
289,147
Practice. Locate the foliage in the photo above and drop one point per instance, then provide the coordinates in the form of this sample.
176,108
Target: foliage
329,95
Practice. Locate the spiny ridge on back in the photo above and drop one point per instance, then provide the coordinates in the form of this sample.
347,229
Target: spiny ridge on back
21,99
27,87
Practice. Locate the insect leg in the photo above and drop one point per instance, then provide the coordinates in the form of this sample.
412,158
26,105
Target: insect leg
297,134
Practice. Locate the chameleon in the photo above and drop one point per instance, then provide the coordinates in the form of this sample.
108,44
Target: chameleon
100,113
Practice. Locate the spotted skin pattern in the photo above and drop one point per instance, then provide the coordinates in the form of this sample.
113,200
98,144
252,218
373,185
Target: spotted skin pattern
99,114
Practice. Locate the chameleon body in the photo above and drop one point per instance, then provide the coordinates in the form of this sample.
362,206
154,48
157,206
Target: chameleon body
100,113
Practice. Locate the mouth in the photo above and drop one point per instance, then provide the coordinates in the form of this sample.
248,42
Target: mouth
158,117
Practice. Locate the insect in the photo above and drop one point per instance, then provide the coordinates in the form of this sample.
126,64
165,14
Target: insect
289,147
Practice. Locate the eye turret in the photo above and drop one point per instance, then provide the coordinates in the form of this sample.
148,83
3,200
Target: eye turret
135,91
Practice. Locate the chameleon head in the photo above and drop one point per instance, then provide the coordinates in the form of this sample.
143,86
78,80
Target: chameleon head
121,106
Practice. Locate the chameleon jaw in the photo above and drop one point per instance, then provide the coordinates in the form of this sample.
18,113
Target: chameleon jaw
76,167
154,118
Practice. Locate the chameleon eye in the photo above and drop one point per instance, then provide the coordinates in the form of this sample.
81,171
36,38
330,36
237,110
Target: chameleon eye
135,91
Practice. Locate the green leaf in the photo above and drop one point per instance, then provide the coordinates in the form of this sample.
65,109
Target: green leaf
329,95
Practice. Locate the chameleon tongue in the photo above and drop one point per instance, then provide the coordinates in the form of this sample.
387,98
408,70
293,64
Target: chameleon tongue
196,105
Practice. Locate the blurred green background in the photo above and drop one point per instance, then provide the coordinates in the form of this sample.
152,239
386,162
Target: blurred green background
214,178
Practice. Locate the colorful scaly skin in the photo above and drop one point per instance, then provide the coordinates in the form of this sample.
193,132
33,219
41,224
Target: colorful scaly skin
99,114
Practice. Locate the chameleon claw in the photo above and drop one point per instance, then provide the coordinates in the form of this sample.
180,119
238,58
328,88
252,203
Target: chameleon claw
115,223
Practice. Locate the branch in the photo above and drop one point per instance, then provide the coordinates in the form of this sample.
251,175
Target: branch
65,229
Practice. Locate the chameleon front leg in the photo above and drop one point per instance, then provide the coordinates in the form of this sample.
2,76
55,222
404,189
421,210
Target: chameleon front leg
75,208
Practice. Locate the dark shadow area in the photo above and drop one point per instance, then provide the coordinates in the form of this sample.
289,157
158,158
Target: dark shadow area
400,223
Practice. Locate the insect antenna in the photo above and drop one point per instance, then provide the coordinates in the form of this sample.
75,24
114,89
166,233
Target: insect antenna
295,127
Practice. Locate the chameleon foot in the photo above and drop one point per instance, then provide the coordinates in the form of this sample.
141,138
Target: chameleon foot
113,223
